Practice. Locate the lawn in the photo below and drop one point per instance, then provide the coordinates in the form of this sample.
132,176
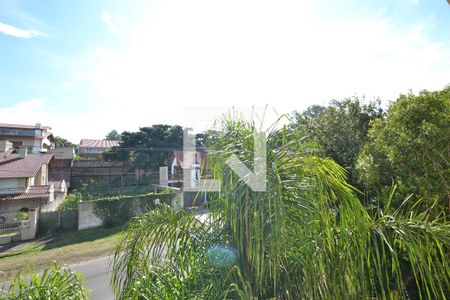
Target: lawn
9,233
67,247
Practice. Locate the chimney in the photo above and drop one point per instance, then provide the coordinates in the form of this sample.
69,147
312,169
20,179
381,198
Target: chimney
38,125
5,146
23,152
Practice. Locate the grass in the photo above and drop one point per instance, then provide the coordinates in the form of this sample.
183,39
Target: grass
69,247
9,233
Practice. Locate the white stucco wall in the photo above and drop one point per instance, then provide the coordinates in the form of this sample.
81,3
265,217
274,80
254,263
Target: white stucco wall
16,205
172,167
53,205
41,177
86,216
34,144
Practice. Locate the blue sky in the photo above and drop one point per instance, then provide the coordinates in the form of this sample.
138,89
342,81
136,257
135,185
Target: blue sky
86,67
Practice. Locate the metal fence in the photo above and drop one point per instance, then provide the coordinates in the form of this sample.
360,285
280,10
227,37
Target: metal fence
12,221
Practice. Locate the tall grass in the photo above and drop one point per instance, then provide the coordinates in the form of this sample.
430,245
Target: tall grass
54,283
307,237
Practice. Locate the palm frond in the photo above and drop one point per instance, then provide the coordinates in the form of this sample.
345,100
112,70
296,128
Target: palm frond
55,283
307,237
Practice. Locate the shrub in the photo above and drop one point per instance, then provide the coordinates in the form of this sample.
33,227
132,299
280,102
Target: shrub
117,210
22,215
113,212
54,283
70,202
307,237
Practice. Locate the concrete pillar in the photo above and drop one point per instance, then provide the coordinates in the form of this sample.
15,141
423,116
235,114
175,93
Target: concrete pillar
29,232
164,176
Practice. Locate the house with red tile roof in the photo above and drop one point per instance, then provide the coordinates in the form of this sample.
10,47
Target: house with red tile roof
92,149
24,181
36,138
186,165
184,172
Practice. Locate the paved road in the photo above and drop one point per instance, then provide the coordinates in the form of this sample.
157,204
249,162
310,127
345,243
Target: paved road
98,275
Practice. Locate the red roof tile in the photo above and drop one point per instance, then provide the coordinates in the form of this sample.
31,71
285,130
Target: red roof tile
13,166
63,153
40,192
3,155
85,143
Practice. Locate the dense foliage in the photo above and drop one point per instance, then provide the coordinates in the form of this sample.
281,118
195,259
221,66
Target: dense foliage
113,135
115,210
71,201
62,142
55,283
340,129
307,237
412,147
149,148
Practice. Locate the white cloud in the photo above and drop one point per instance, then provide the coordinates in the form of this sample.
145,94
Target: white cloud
25,107
94,124
17,32
210,55
219,54
112,21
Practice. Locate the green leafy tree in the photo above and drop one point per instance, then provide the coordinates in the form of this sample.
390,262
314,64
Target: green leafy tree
71,201
149,148
62,142
113,135
307,237
206,138
340,129
411,146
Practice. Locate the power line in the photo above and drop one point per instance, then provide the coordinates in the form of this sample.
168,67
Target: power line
150,149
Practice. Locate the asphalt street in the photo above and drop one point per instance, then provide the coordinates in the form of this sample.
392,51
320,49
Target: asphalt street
98,275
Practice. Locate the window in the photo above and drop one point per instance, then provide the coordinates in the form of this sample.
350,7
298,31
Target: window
16,132
17,144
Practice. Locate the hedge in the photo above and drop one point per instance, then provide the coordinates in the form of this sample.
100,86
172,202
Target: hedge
117,210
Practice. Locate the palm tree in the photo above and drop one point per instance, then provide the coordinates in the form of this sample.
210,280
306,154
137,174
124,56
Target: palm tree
307,237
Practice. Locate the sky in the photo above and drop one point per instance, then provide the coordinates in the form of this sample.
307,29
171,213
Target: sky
87,67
